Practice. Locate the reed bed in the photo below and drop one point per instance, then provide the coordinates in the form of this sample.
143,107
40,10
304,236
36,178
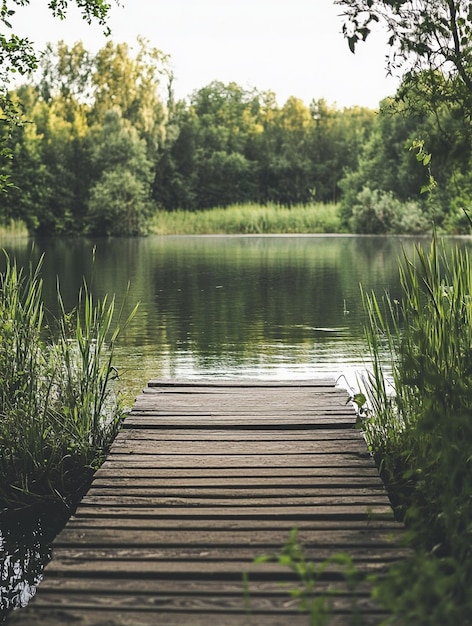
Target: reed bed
248,219
422,434
13,228
59,411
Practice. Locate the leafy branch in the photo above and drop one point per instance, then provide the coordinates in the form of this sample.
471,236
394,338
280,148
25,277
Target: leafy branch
425,158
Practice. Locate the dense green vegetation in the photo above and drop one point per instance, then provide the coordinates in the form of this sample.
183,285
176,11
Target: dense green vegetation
102,146
429,47
18,56
419,425
421,435
59,412
107,147
108,151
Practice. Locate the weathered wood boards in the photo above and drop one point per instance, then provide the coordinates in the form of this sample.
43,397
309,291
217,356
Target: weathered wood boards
203,478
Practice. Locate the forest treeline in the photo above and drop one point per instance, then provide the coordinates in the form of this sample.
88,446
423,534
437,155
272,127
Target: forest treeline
105,145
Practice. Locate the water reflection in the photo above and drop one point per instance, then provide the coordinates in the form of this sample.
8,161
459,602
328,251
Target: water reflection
24,550
266,307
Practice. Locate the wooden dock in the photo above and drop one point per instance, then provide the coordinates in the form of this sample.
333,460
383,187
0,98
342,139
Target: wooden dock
203,478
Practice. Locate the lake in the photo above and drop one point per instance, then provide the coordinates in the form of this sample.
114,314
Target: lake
274,307
270,307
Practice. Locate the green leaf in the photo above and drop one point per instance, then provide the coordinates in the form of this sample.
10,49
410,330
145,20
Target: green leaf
263,558
359,399
352,43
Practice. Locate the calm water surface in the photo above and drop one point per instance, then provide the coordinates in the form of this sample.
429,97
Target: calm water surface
273,307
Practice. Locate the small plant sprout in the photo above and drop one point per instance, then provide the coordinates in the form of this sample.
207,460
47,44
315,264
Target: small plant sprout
314,598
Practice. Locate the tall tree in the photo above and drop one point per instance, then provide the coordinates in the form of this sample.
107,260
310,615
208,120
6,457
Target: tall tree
17,55
132,80
119,198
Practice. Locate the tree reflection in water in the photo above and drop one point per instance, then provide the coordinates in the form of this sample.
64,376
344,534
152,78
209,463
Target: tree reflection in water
24,551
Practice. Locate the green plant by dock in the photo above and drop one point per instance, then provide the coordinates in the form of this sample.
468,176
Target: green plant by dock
307,585
421,435
59,411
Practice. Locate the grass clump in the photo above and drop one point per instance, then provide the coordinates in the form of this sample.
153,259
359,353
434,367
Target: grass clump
58,410
422,435
248,219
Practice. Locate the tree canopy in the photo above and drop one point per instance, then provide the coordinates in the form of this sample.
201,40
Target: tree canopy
107,145
18,56
430,43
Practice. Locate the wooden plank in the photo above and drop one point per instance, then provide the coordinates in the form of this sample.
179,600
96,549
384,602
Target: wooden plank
198,604
293,513
257,474
273,503
203,478
188,557
202,384
136,617
237,493
372,526
158,569
155,447
243,461
219,482
259,539
164,422
240,435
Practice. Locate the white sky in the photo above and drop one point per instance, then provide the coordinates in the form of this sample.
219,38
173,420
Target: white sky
291,47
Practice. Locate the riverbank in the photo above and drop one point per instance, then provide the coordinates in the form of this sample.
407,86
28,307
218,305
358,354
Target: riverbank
249,219
421,435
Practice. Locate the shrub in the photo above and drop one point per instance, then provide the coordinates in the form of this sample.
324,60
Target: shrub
379,212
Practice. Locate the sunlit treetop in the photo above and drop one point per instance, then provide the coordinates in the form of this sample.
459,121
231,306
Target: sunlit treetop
17,55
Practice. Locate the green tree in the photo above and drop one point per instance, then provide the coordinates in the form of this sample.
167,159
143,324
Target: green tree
175,183
218,126
51,167
131,80
119,198
63,151
336,139
17,55
289,170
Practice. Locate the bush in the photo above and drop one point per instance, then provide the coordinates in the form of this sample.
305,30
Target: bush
379,212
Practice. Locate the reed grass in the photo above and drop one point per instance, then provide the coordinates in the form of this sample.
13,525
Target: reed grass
13,228
248,219
58,409
422,435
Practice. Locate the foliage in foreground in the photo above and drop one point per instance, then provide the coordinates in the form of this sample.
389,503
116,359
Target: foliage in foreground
58,410
422,434
315,586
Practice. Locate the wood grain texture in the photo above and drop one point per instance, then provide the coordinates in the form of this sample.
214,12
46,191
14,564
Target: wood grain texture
204,477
